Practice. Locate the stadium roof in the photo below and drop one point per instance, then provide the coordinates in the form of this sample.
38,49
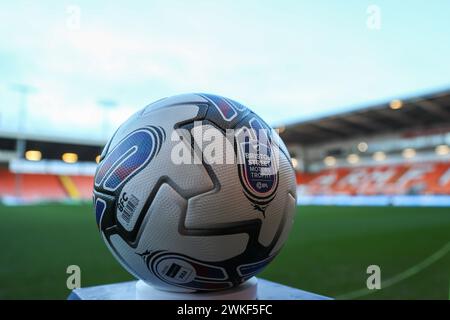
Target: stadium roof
52,138
427,111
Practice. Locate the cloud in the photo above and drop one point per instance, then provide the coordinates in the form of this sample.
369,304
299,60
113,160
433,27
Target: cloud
286,62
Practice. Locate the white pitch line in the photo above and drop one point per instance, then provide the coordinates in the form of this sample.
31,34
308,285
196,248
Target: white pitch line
401,276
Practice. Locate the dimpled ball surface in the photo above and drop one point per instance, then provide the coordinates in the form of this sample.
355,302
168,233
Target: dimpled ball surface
179,217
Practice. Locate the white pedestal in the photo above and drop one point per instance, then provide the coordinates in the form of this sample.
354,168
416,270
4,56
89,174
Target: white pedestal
132,290
246,291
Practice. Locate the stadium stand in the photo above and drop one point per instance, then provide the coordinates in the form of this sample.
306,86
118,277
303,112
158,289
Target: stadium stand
383,154
44,187
374,153
84,185
421,178
31,187
42,175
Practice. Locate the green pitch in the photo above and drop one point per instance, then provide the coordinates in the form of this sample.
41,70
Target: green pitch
328,252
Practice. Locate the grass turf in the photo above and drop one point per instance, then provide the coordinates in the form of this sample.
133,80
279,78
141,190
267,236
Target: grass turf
328,251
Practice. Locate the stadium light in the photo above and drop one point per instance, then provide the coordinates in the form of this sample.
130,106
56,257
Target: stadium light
70,157
379,156
33,155
330,161
442,150
363,146
353,158
281,129
294,163
396,104
409,153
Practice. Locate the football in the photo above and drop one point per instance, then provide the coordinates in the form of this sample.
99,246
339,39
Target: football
194,192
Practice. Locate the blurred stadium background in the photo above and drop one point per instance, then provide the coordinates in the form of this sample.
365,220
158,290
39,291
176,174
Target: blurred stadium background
373,180
373,187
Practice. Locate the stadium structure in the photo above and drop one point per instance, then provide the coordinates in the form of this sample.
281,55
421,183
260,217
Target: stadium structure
394,153
37,168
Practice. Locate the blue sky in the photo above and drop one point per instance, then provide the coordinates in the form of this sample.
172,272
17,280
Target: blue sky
287,60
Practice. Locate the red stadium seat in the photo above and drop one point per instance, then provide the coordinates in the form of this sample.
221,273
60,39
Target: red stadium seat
31,186
84,185
419,178
35,187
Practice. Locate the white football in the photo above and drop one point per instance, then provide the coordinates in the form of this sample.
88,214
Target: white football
195,193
